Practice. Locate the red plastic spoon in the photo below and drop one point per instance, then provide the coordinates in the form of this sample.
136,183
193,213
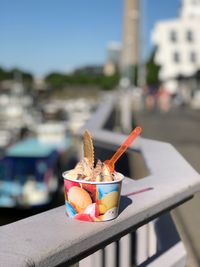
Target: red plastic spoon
111,162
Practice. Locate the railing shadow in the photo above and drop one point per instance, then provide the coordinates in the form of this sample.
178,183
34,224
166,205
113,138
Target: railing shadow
124,203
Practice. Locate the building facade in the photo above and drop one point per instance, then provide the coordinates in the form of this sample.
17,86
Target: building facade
177,44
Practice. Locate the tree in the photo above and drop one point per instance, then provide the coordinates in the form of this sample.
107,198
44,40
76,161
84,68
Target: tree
4,75
152,70
59,81
14,74
56,80
109,82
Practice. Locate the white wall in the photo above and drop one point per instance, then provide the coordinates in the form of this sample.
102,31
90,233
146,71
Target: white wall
166,48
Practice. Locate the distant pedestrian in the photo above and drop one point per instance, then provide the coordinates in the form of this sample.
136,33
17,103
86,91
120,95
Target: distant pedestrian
163,99
150,97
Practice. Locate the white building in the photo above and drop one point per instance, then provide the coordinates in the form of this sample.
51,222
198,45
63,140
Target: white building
178,45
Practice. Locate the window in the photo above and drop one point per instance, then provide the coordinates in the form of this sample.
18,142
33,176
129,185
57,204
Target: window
193,57
189,36
173,36
176,57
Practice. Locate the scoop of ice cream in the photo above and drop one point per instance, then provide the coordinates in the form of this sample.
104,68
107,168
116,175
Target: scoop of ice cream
84,171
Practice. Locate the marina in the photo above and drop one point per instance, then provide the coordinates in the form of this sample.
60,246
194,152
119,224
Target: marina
36,145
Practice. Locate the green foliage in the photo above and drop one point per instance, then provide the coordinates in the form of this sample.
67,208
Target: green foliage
59,81
14,74
55,80
4,75
109,82
27,77
152,70
135,75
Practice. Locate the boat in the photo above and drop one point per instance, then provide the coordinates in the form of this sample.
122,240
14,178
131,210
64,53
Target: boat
29,172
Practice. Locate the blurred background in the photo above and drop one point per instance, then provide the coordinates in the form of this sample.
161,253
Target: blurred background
59,60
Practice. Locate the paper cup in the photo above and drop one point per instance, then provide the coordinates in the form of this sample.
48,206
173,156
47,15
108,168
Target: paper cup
92,201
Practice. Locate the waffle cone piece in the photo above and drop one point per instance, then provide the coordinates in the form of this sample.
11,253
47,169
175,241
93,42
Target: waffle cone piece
88,147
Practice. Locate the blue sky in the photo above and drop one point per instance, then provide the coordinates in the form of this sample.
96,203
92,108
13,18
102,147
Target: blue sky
48,35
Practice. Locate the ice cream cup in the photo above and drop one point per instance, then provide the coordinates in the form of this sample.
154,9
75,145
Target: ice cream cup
92,201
